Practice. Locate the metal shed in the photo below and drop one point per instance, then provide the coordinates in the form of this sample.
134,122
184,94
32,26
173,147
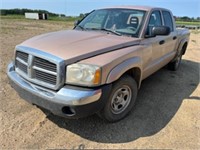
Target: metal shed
37,16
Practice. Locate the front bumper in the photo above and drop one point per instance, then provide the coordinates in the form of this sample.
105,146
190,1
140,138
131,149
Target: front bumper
69,101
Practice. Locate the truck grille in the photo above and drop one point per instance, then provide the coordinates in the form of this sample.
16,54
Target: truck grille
46,77
22,56
21,61
41,63
21,66
36,69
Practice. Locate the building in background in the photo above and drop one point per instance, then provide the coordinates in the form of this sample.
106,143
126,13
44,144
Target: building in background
37,16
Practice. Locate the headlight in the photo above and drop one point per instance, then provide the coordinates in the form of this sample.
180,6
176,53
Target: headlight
83,74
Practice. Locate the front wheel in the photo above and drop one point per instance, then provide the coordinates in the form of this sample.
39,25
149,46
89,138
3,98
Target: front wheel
121,100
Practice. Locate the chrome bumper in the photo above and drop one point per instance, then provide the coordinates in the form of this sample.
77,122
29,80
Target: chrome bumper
65,96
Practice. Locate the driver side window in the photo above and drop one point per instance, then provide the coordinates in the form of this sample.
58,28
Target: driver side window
155,20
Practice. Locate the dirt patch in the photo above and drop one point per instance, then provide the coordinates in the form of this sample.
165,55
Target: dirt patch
166,116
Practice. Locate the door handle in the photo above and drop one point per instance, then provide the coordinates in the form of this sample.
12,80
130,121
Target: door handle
174,38
162,42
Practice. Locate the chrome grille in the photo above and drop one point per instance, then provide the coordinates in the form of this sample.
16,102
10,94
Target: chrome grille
22,61
44,64
21,66
22,56
45,77
39,70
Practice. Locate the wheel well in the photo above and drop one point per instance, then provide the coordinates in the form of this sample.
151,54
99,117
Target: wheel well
184,48
136,74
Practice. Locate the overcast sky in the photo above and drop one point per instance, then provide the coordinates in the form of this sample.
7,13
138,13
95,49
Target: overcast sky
189,8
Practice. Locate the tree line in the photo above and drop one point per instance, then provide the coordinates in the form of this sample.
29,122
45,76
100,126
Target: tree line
187,19
17,11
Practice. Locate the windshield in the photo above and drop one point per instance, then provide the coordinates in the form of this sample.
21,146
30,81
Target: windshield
117,21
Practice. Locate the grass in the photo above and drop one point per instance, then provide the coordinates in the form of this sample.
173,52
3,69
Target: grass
12,17
72,19
188,23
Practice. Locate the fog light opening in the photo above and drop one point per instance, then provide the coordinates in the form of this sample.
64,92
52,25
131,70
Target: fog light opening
68,111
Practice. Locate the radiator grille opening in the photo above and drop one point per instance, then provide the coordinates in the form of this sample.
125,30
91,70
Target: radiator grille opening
45,77
22,56
45,64
21,67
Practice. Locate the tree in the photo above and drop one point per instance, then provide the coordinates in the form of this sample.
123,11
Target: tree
23,11
185,18
81,15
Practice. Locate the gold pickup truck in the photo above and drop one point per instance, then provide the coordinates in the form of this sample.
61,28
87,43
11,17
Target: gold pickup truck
98,66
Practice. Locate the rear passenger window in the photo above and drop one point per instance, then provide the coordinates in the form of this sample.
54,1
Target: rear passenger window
168,20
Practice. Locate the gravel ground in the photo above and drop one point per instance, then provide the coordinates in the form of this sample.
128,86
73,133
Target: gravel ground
166,116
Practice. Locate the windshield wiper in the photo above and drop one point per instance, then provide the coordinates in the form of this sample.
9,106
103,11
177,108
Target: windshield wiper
108,30
112,31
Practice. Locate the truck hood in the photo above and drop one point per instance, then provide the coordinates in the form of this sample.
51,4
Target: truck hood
75,45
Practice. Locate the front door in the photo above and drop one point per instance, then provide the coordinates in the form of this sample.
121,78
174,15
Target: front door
153,55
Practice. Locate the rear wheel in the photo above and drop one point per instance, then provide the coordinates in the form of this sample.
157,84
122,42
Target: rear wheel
176,63
121,100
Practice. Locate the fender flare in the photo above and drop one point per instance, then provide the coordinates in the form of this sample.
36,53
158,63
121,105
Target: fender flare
181,44
123,67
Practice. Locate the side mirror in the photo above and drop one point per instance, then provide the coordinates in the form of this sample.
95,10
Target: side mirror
76,22
160,30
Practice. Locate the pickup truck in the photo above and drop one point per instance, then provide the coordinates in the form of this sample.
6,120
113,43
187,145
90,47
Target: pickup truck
98,66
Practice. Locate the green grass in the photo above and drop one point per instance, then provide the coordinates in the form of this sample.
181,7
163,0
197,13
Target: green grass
188,23
12,17
64,18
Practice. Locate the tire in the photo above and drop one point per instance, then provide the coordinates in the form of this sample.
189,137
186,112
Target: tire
121,99
173,66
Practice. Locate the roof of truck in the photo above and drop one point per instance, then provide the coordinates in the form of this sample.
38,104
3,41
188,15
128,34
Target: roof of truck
146,8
